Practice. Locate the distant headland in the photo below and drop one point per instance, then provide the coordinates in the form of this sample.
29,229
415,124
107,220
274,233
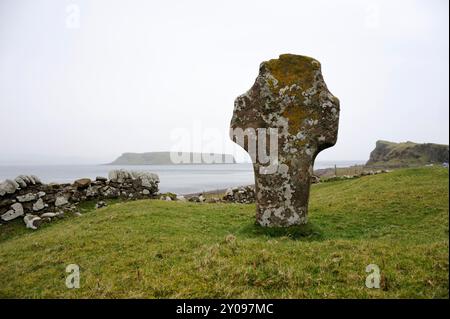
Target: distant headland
172,158
395,155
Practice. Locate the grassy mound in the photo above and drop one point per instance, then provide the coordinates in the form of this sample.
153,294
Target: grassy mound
157,249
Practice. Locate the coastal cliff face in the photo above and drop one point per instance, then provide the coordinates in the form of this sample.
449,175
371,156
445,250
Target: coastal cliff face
390,154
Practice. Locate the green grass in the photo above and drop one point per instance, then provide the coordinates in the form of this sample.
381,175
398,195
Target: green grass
158,249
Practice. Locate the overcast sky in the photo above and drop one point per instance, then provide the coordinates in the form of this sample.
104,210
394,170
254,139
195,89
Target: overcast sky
84,81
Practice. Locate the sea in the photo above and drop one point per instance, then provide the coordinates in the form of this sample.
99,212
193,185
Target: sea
179,179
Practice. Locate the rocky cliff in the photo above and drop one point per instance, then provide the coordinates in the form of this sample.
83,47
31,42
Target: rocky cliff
390,154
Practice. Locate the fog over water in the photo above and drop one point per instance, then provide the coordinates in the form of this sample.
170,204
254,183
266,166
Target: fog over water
84,81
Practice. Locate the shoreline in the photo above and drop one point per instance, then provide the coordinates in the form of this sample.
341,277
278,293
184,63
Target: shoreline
321,173
180,179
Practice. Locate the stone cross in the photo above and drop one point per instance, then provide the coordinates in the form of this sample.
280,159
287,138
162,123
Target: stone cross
283,122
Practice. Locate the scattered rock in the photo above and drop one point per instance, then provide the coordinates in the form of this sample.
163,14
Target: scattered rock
165,196
82,183
8,187
21,182
6,202
194,199
119,176
36,179
92,191
32,221
146,192
26,198
197,199
146,180
243,195
111,192
17,207
49,215
9,215
101,179
60,214
26,179
180,198
315,179
100,204
61,201
15,211
39,205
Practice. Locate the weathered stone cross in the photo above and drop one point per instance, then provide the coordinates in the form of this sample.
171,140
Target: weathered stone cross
283,122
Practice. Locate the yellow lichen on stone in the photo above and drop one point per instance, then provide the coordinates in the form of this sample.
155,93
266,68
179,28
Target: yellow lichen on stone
295,116
291,69
294,74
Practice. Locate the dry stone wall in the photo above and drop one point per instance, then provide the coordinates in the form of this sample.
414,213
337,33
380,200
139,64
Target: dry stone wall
28,198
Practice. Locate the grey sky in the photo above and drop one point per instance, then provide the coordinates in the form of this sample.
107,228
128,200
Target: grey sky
134,71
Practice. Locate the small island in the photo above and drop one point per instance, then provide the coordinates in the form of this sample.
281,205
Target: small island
173,158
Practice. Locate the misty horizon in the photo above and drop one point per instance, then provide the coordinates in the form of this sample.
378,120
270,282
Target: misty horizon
68,160
80,82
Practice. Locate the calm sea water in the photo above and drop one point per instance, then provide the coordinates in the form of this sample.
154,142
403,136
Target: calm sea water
181,179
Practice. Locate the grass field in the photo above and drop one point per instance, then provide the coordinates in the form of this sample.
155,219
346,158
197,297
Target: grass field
156,249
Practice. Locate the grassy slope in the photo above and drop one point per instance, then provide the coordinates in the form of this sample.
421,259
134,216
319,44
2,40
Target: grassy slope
398,221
